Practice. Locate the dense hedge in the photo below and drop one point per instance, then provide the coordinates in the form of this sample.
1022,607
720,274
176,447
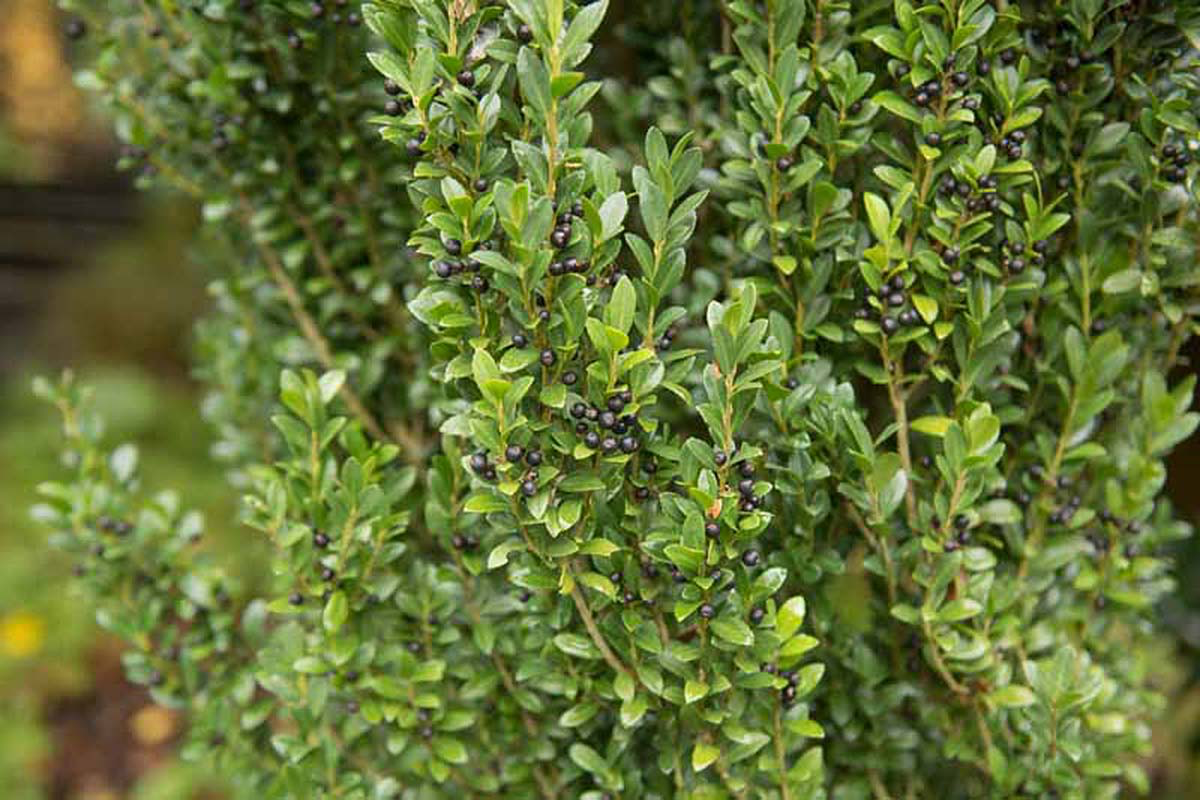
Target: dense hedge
788,425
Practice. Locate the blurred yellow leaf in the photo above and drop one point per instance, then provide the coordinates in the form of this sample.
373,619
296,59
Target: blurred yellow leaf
152,725
21,634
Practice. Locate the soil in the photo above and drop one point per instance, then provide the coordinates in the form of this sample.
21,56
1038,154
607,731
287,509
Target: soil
104,740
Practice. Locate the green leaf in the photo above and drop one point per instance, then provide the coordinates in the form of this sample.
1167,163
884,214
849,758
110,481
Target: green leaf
934,426
619,312
898,106
1076,350
581,30
633,709
623,685
577,715
797,646
336,612
1108,138
927,307
515,360
534,81
450,750
1000,512
694,690
500,553
598,547
484,503
588,759
790,617
785,264
429,671
575,645
123,462
733,630
652,203
612,215
554,395
483,368
879,217
703,755
1121,282
330,384
1012,696
958,610
581,482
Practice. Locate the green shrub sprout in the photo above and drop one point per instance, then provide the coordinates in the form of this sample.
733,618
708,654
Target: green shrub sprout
691,400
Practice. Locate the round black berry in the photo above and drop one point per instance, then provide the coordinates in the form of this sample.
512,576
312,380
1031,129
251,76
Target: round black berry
750,558
76,29
707,611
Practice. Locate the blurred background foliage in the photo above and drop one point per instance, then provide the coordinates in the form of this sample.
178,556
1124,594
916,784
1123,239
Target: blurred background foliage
100,278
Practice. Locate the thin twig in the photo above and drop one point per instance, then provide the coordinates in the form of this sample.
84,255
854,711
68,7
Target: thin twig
589,622
312,333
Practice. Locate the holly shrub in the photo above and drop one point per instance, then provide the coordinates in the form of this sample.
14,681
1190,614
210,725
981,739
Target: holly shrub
789,425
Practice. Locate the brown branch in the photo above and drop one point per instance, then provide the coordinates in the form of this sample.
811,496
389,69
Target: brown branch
312,333
589,622
881,547
900,409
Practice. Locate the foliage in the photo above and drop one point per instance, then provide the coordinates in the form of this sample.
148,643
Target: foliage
567,499
46,644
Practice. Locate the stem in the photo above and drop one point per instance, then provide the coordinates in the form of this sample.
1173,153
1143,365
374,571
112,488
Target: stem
877,787
1039,526
938,664
308,327
589,622
900,409
781,757
880,545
